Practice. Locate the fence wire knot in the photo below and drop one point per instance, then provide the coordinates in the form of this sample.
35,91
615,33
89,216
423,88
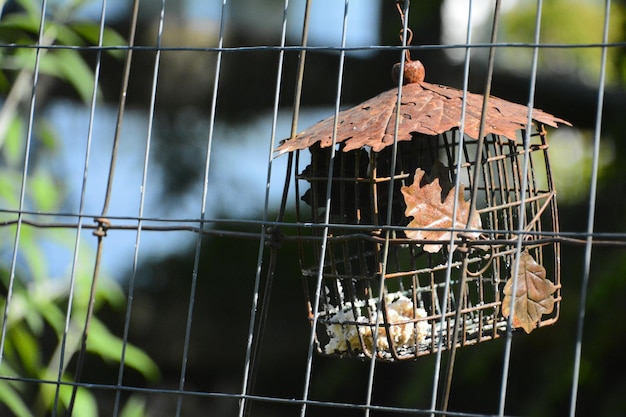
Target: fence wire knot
275,237
103,225
400,5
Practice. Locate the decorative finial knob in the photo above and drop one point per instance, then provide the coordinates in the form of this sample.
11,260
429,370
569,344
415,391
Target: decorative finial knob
414,72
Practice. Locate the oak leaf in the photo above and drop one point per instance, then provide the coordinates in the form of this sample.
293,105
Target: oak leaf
533,295
430,201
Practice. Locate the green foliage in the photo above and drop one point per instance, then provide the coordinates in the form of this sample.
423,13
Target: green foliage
564,22
40,341
135,407
62,61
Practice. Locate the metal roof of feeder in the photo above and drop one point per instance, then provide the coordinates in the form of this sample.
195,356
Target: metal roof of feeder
425,108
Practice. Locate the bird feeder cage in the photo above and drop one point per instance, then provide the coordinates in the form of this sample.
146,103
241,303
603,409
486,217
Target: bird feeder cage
391,238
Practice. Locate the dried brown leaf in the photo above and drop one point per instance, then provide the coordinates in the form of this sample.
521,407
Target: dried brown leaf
430,201
533,295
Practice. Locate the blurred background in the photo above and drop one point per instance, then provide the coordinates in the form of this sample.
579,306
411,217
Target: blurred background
45,152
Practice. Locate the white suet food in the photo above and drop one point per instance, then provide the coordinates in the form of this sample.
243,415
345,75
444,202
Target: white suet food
346,331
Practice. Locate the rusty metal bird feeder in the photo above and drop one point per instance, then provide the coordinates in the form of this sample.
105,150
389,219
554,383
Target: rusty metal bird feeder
410,257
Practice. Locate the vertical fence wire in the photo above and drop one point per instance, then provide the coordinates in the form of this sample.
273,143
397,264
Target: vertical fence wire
457,182
102,221
251,356
475,181
591,214
326,229
256,319
404,8
522,212
203,208
142,195
23,185
81,207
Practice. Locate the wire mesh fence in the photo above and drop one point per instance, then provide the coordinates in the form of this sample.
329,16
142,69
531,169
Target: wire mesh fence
170,244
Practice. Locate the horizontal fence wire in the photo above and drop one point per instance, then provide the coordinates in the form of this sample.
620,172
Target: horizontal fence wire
221,228
288,48
272,231
265,399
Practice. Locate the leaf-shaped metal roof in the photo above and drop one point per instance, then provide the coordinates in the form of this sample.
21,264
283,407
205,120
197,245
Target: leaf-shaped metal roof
425,108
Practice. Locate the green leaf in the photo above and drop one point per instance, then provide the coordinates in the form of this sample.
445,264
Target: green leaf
43,297
47,134
9,355
135,407
20,21
64,35
109,347
141,362
30,7
35,257
65,64
28,348
13,143
75,70
25,59
110,292
11,398
22,311
5,84
84,404
53,316
9,195
91,33
43,192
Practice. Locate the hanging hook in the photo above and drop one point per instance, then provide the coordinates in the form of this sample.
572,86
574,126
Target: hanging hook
409,39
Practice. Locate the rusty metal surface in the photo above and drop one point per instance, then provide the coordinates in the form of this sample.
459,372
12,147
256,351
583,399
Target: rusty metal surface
426,108
414,322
